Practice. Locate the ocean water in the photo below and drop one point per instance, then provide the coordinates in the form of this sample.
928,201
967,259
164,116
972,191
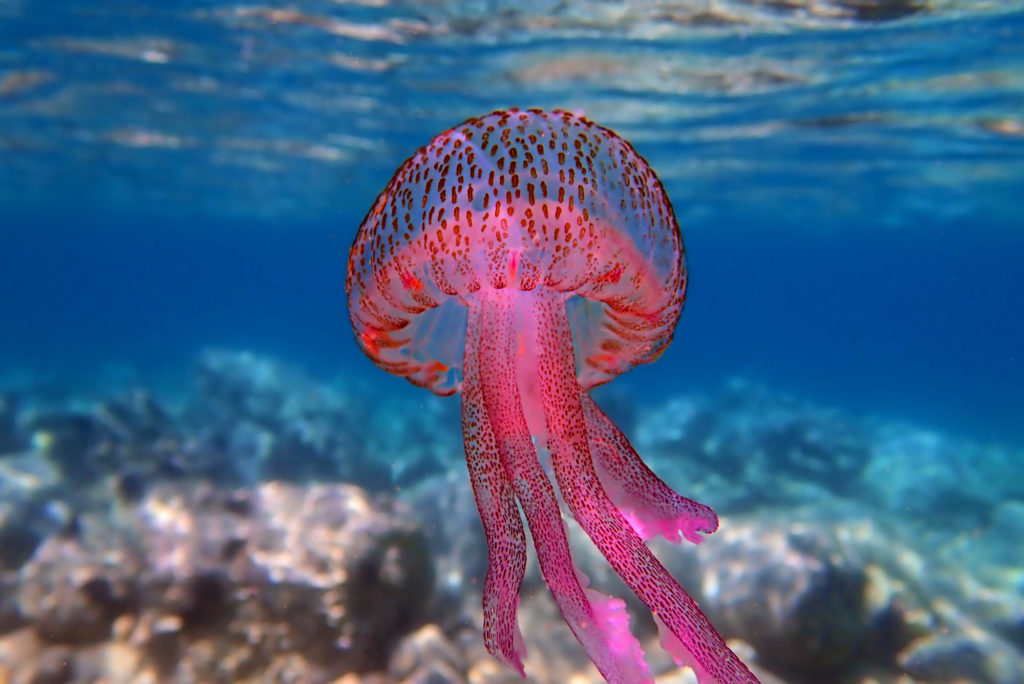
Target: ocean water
848,181
848,176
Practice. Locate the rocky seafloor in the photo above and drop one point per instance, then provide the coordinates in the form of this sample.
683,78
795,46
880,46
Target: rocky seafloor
270,528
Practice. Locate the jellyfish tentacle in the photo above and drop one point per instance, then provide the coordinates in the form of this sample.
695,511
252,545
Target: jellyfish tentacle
503,526
610,531
595,620
651,506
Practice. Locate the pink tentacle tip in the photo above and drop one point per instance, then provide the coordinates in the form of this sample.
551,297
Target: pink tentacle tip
695,531
622,660
611,613
650,525
515,661
508,648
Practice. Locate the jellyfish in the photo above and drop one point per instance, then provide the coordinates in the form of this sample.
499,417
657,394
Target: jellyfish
521,259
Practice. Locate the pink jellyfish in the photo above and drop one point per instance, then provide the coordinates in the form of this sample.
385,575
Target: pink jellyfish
523,258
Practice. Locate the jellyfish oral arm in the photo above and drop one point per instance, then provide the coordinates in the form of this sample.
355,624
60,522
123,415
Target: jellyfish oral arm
651,506
503,526
491,395
506,329
687,633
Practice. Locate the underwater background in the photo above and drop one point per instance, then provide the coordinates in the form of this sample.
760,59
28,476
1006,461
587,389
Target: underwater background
179,187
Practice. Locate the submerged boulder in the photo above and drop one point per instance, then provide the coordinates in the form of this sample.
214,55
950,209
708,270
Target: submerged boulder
794,592
823,596
205,584
31,506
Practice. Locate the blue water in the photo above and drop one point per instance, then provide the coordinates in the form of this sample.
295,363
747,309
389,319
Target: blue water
850,191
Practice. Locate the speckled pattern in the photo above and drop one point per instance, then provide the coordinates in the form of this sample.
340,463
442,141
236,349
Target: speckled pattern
523,258
590,504
520,199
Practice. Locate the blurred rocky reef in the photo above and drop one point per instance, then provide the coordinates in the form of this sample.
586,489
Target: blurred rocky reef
270,527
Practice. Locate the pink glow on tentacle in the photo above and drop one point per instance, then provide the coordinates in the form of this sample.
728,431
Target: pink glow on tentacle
611,614
503,526
593,509
651,506
599,623
680,654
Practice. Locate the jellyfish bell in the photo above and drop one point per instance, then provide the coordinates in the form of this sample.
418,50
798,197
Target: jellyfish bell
522,258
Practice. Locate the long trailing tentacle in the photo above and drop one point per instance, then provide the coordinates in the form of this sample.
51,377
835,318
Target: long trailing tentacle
583,492
599,623
503,526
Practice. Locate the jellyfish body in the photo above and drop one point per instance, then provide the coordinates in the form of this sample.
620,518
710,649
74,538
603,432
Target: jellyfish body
523,258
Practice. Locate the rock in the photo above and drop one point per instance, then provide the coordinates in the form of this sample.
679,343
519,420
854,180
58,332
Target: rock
116,564
68,439
427,657
54,666
209,585
251,420
131,438
70,599
967,642
760,447
959,658
30,506
10,617
831,594
447,509
264,420
1007,522
940,480
138,418
791,591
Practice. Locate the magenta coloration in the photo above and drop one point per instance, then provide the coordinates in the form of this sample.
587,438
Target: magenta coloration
523,258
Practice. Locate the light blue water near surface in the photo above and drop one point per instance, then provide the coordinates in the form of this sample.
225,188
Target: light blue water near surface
850,190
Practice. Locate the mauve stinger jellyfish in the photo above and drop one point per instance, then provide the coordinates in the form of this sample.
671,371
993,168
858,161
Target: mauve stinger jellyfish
523,258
